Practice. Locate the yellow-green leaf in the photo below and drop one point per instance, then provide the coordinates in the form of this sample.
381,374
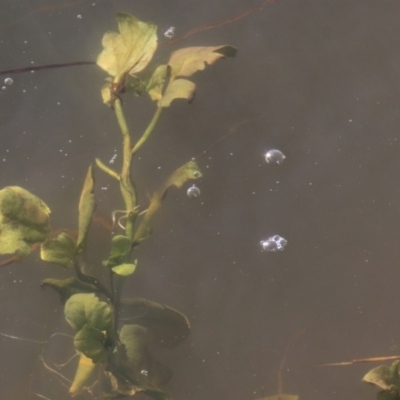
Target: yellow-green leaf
83,372
60,250
125,269
178,89
186,61
384,377
186,172
24,220
86,208
157,81
129,51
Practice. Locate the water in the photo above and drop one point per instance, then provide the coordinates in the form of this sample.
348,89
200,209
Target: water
317,81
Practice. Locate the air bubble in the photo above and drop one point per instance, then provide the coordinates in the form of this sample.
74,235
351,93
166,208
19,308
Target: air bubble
274,243
79,16
8,81
274,157
193,192
196,174
170,32
144,372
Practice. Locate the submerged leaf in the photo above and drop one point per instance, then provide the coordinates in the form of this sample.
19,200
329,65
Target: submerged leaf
384,377
178,89
86,308
83,372
114,386
120,248
135,340
157,81
186,61
68,287
60,250
86,208
186,172
24,220
166,326
125,269
129,51
91,342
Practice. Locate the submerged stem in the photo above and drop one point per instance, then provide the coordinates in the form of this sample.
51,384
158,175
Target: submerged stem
148,130
127,188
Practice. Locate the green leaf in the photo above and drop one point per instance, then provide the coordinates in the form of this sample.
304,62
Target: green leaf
68,287
166,326
186,61
178,89
188,171
129,51
86,208
135,340
125,269
115,386
384,377
157,81
86,308
60,250
388,395
120,249
83,372
24,220
91,342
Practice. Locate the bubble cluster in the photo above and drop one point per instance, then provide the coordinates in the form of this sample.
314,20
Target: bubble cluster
273,243
170,32
8,81
193,191
274,157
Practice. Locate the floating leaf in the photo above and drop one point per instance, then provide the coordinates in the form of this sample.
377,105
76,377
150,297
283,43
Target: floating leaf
384,377
129,51
120,248
178,89
86,208
86,308
68,287
125,269
83,372
166,326
60,250
187,172
24,220
135,340
186,61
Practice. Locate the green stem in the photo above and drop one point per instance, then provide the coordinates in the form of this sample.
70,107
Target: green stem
148,131
127,188
92,280
106,169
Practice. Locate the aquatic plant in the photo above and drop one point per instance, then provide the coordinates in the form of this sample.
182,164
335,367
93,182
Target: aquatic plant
93,308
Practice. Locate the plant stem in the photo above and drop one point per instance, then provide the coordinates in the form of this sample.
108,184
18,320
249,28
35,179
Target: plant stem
92,280
148,130
127,188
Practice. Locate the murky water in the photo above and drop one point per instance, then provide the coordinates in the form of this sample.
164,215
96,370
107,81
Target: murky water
318,81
